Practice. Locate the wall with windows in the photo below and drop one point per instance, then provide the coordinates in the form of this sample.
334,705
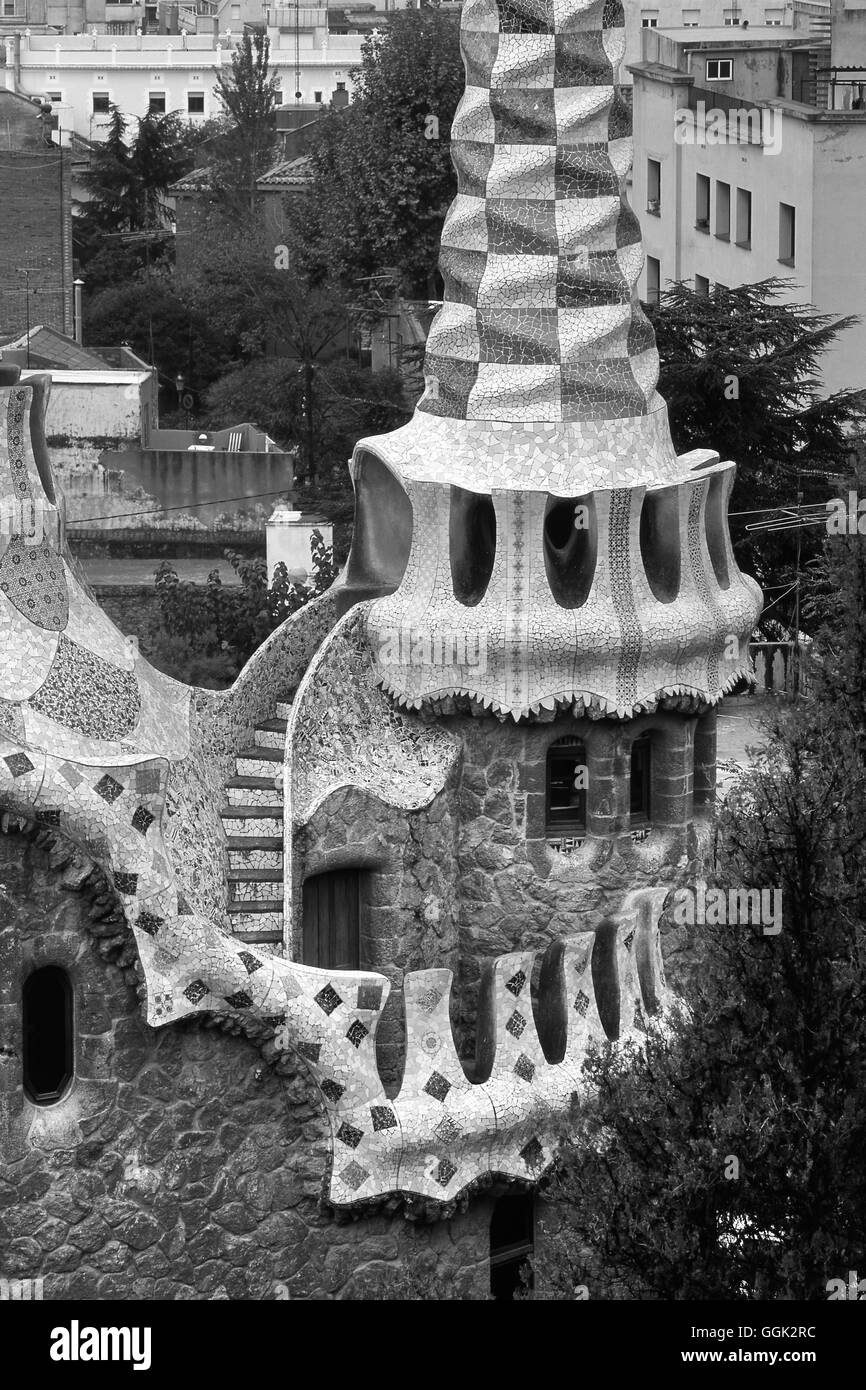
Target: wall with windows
541,832
164,72
733,211
137,1163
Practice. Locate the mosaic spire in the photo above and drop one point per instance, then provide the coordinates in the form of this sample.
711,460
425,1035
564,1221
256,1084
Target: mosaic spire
540,251
534,512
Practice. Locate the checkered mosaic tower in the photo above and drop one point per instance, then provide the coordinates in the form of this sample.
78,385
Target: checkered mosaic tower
540,251
540,403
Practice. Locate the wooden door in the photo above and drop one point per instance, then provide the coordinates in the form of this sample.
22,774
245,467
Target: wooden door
332,920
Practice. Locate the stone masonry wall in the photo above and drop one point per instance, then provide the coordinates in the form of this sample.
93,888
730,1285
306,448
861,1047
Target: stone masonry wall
472,876
180,1164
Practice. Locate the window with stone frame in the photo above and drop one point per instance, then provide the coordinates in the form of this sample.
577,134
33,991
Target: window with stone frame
512,1244
566,787
48,1052
640,796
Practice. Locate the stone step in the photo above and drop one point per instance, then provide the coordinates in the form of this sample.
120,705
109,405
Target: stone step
264,915
252,822
259,762
254,885
254,791
259,938
271,734
247,855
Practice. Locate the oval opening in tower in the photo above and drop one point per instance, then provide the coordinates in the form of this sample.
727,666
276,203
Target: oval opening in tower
472,539
717,527
660,543
570,548
382,535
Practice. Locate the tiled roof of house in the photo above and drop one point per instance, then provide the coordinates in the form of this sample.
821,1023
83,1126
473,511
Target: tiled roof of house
289,173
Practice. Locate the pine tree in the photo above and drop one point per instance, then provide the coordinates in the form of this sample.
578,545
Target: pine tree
741,374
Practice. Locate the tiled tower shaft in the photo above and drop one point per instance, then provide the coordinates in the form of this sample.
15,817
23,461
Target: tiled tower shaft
540,251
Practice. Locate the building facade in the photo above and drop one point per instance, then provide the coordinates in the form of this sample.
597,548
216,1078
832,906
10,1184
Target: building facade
83,75
36,280
740,175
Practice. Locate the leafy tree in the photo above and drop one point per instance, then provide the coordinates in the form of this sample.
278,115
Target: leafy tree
740,372
204,634
321,408
765,1066
306,394
380,185
249,95
160,328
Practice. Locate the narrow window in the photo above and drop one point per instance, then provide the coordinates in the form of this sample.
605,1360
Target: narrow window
156,104
47,1027
641,770
566,787
744,218
512,1243
317,96
723,210
332,938
787,236
653,186
195,103
702,202
653,279
100,103
702,285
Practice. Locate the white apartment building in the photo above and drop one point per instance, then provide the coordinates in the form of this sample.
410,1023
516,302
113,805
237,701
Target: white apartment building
796,15
85,74
735,181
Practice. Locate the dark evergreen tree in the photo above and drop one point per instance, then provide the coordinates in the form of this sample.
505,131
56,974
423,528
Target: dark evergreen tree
741,373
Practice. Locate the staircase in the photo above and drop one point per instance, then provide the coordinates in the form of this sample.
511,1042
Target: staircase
253,824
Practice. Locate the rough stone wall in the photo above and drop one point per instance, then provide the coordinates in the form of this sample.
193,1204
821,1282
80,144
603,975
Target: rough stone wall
408,911
180,1164
472,876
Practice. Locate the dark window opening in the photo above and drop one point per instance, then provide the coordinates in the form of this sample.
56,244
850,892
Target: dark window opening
195,103
100,103
156,104
570,549
472,538
641,770
660,543
566,787
47,1027
512,1243
331,930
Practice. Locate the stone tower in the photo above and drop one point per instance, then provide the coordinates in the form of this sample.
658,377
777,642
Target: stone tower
493,736
545,572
